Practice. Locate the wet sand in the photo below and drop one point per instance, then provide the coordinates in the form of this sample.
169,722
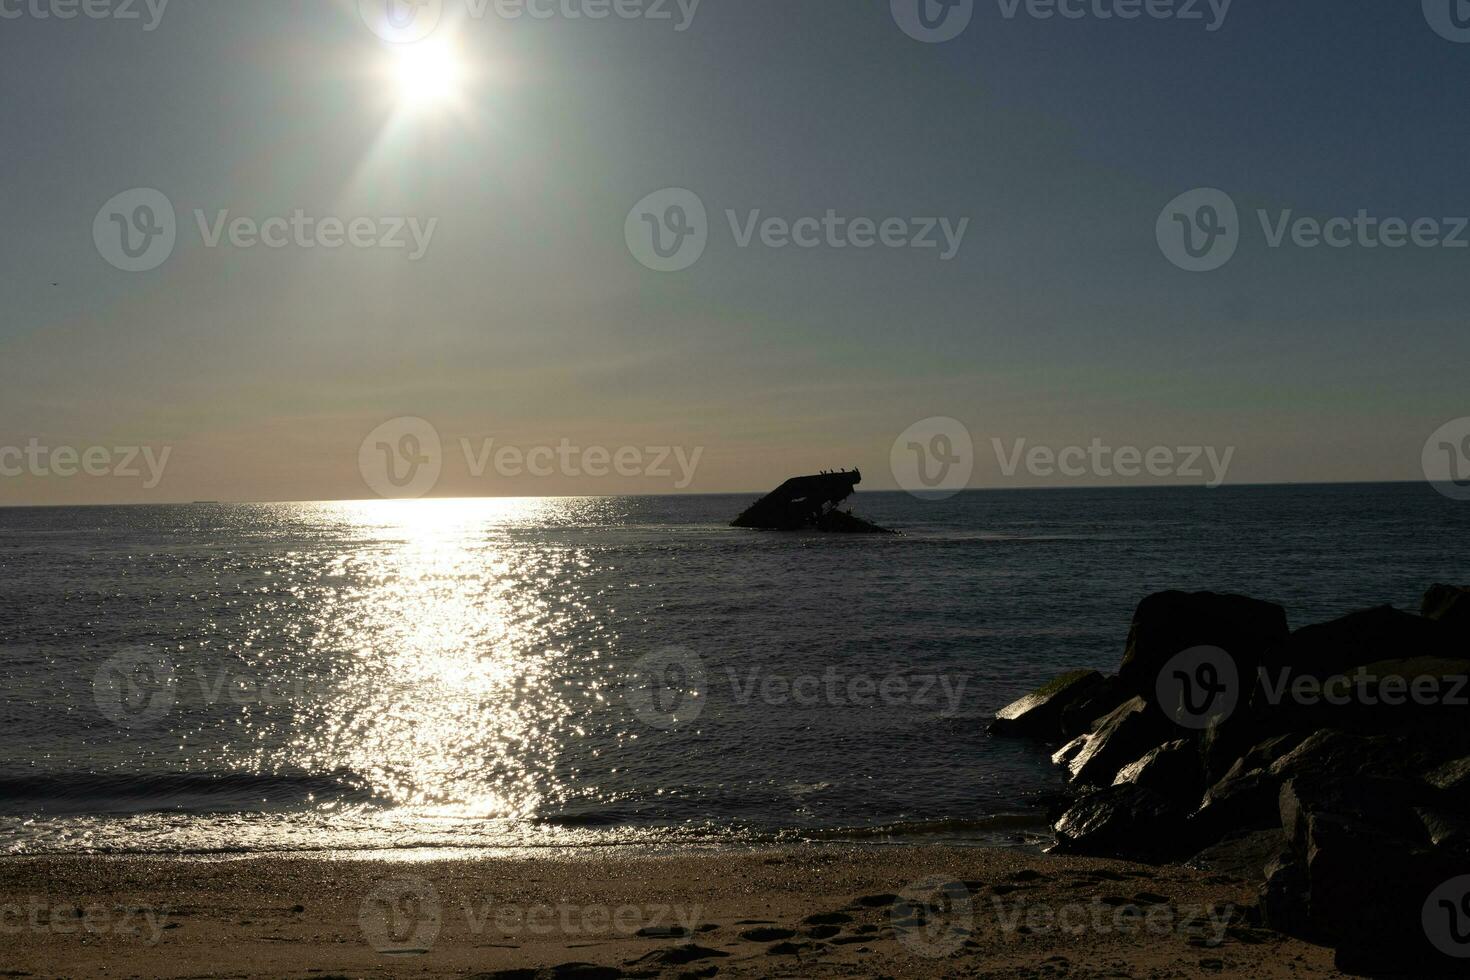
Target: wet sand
804,912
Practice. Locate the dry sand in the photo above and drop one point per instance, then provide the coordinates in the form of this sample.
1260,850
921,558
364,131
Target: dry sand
804,912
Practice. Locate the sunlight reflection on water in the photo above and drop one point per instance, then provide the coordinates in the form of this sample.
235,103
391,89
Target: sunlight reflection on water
451,701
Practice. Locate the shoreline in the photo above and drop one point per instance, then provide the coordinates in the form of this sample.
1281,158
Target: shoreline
829,909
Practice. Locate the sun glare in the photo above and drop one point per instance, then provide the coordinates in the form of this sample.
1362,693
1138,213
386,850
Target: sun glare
426,75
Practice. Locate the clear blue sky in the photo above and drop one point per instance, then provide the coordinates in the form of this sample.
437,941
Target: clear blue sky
529,321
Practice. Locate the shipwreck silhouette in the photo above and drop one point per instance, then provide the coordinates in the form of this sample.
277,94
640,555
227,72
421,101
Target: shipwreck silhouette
809,502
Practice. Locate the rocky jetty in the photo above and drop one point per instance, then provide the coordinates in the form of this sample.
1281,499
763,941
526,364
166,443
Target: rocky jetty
1331,763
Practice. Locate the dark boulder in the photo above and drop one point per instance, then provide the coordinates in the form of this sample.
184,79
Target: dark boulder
1244,800
1125,821
1121,737
1246,735
1371,636
1450,605
1248,796
1244,855
1333,754
1446,830
1283,898
1168,623
1452,779
1382,802
1039,714
1369,894
1172,769
1426,695
1083,714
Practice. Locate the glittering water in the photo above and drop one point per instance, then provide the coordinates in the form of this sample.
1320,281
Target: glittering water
505,673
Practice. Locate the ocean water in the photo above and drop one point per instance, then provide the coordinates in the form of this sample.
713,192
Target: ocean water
401,676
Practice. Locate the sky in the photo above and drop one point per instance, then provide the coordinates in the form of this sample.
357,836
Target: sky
531,152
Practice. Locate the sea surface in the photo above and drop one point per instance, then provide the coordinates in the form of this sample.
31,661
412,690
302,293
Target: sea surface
513,673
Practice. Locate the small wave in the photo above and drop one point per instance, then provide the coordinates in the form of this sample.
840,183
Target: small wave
201,792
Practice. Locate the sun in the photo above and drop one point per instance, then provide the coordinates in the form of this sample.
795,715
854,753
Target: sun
427,75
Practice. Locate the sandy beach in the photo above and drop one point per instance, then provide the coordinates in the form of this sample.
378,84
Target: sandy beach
838,911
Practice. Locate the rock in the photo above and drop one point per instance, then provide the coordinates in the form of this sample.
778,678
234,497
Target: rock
1373,801
1452,779
1366,894
1245,856
1120,738
1083,714
1424,695
1039,714
1358,639
1444,829
1333,754
1172,769
1245,799
1243,736
1124,821
1167,623
1283,897
1448,604
1063,756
